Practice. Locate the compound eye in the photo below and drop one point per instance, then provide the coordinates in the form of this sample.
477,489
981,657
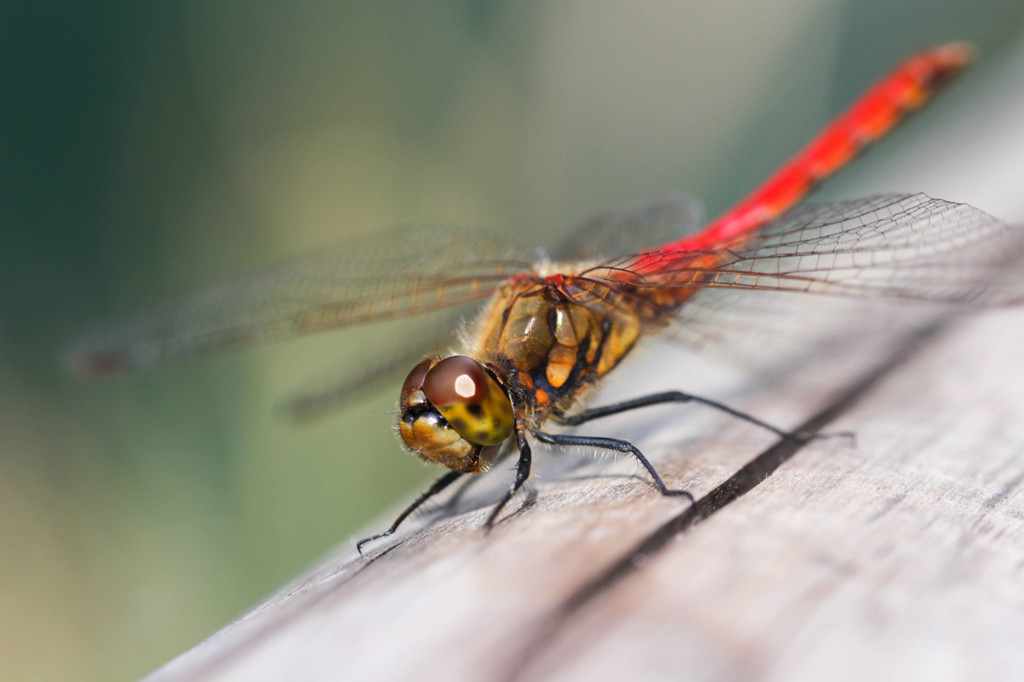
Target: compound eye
414,382
470,399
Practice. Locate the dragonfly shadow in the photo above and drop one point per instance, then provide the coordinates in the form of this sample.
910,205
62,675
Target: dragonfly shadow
523,507
482,492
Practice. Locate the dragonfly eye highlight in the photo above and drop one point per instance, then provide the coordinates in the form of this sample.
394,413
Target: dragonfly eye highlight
470,399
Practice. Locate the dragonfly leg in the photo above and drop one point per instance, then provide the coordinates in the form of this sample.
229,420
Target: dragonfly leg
522,473
612,444
675,397
439,485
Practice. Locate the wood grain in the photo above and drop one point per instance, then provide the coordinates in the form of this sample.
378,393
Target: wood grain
899,556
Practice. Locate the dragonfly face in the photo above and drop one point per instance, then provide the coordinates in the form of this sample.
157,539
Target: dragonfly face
452,411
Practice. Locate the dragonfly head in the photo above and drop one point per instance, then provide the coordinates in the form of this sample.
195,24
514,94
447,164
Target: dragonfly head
451,410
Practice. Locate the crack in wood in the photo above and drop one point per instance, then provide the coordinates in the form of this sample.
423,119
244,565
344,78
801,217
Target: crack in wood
743,481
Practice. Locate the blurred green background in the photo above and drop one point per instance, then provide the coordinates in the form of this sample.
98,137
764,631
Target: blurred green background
147,148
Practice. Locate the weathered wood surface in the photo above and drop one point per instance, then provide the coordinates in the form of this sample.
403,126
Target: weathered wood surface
898,557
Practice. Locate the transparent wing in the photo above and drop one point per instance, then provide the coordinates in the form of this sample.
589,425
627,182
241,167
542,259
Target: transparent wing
632,227
625,229
890,246
867,256
400,272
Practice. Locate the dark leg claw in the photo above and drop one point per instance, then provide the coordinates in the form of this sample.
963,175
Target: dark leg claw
439,485
613,444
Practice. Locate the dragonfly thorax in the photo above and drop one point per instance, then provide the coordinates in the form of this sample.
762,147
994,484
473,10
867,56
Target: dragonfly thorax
452,410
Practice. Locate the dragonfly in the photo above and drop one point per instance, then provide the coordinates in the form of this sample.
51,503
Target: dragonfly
547,332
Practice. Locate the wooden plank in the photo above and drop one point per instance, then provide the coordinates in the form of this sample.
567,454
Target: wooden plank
901,556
